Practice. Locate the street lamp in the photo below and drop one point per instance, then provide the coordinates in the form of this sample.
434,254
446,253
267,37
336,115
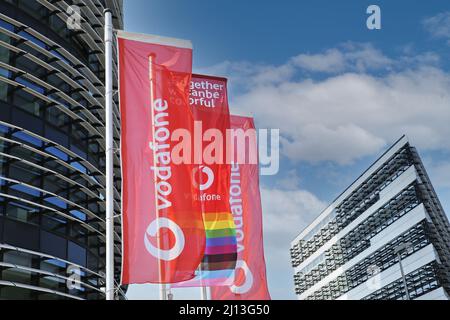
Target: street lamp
398,251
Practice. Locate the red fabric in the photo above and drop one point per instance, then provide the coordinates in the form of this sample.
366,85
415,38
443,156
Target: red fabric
209,103
174,193
250,281
214,114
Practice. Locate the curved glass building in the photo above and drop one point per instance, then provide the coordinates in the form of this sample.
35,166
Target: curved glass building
52,209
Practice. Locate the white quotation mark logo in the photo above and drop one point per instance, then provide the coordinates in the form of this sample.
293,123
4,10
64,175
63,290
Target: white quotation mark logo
153,230
202,186
374,20
74,19
248,283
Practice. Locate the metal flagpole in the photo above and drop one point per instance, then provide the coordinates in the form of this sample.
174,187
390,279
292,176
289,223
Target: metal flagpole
203,289
109,156
204,293
162,286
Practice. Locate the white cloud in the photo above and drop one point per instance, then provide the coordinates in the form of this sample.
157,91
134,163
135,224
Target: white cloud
332,60
291,181
352,56
246,74
439,25
356,142
286,213
351,113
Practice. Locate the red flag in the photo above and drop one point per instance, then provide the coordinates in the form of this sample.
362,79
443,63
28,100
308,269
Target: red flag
250,281
163,234
209,103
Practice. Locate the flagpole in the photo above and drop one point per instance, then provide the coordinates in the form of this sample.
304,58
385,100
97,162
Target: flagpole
204,293
109,150
162,286
203,289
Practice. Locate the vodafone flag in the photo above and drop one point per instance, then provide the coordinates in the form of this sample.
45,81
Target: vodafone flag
209,103
249,281
163,233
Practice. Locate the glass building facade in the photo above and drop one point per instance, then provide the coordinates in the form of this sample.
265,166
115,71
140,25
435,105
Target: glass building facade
52,183
385,238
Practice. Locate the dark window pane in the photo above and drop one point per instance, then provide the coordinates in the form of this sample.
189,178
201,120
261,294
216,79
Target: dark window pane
77,254
21,235
1,227
53,265
15,293
22,212
57,136
26,121
18,258
16,275
53,245
92,262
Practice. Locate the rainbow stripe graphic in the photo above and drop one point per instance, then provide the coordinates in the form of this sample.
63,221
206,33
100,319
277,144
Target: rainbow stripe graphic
219,261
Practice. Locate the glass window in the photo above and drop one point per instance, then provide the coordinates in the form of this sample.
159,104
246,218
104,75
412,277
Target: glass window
58,153
25,189
28,102
57,202
53,245
25,173
32,38
77,254
54,223
21,235
78,214
4,57
29,139
78,233
6,25
50,297
15,293
51,282
16,275
26,154
57,186
79,167
21,212
31,85
1,224
53,265
3,129
26,120
57,118
18,258
78,151
56,136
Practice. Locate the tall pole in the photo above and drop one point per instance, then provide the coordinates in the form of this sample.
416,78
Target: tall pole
162,286
109,156
203,288
204,293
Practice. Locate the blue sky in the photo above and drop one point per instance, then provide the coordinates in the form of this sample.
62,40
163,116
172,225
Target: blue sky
339,92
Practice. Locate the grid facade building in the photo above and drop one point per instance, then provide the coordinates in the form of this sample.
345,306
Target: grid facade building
389,219
52,182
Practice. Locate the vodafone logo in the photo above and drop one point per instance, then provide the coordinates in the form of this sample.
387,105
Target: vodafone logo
248,283
152,231
209,178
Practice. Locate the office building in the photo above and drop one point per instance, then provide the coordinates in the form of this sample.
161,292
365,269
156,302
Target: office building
385,238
